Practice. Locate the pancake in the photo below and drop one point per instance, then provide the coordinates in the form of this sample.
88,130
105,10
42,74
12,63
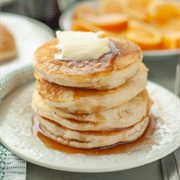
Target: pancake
87,140
90,103
122,116
110,71
7,44
77,100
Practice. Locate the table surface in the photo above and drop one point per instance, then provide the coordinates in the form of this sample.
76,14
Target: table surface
160,71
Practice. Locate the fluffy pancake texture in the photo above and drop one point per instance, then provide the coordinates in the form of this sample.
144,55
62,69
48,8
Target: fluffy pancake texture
91,103
7,44
77,100
109,71
86,140
122,116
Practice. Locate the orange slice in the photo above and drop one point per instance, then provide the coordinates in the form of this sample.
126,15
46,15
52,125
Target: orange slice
76,26
145,35
170,33
109,6
136,10
83,10
171,40
172,25
163,10
111,22
83,25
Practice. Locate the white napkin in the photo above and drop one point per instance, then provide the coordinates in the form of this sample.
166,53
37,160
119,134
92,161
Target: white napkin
11,166
12,80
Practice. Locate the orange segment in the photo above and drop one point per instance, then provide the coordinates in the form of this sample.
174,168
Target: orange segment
109,6
76,26
135,9
171,40
114,22
145,35
164,10
83,10
171,34
83,25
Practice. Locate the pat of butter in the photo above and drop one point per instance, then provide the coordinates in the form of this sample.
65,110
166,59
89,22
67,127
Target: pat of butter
78,46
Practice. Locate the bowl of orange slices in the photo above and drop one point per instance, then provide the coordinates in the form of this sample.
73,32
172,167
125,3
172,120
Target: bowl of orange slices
152,24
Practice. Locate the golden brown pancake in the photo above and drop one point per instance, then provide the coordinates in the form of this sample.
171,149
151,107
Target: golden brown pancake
109,71
7,44
92,139
92,103
77,100
122,116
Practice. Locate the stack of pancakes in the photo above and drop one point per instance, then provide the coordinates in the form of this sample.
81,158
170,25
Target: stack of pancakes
94,103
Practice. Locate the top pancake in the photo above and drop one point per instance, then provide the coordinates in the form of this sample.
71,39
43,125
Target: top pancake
109,71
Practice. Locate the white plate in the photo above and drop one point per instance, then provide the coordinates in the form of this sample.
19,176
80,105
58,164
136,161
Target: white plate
29,34
65,24
16,135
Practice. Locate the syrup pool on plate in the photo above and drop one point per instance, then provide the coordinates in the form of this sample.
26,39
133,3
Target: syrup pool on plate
114,149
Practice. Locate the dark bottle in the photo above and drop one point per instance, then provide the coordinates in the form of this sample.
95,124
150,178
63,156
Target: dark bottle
46,11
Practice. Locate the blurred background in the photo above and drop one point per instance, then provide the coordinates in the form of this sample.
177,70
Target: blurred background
47,11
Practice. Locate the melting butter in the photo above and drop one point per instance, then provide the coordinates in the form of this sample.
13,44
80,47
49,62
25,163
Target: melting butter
80,46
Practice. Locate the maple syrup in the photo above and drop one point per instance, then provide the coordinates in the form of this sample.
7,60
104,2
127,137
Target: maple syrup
114,149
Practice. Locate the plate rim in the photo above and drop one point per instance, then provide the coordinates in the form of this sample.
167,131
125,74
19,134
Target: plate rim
31,20
85,169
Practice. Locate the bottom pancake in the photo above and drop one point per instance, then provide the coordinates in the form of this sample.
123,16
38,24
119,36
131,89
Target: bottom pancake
90,139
